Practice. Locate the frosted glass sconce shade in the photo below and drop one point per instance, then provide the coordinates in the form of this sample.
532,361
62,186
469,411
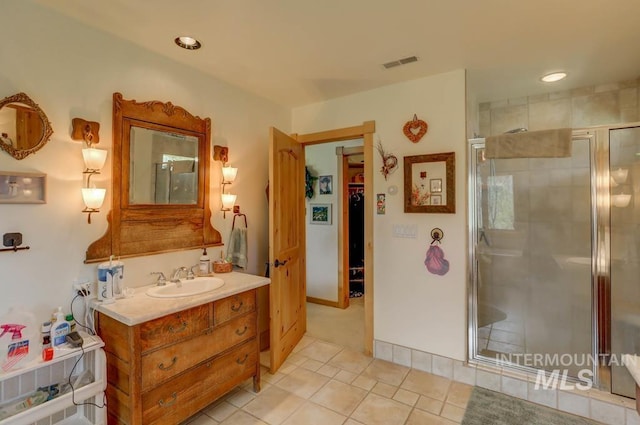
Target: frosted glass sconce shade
621,200
94,159
228,201
229,174
93,197
620,175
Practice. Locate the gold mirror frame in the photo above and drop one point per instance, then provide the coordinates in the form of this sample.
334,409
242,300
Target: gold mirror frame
437,182
145,229
47,131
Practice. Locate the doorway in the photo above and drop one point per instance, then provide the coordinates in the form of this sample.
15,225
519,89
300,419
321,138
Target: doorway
281,342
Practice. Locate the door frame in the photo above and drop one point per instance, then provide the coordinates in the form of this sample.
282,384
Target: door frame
365,132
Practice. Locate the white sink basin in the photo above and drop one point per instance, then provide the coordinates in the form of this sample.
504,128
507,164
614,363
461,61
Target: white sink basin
187,288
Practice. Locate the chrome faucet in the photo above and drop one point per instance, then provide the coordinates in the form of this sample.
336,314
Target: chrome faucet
162,281
176,275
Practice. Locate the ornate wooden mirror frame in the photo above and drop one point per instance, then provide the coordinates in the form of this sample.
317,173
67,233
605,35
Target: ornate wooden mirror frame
144,229
25,128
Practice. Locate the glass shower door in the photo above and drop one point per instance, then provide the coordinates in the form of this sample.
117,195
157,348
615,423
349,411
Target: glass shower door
624,160
532,234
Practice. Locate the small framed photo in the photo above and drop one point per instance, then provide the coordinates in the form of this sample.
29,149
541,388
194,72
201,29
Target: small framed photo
320,213
435,187
23,188
326,185
436,199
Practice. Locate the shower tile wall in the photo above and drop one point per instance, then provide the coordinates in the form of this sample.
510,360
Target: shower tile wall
583,107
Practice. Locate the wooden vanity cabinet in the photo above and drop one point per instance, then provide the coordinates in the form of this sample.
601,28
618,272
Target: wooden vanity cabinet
167,369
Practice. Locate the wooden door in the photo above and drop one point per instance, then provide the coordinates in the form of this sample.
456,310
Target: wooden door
286,246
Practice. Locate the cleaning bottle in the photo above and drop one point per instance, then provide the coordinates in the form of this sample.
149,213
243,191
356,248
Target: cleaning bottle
18,339
205,263
60,328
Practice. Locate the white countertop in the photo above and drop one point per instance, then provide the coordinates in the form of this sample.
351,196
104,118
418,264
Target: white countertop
632,362
141,307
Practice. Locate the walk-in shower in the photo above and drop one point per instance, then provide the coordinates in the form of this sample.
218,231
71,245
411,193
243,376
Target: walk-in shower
555,257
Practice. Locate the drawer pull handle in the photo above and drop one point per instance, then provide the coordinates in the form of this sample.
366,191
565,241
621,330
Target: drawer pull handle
237,308
242,332
246,356
174,398
161,366
180,329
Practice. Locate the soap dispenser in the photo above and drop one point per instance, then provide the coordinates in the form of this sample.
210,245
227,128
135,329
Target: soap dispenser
205,263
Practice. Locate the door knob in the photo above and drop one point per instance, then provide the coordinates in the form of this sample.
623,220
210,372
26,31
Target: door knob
279,263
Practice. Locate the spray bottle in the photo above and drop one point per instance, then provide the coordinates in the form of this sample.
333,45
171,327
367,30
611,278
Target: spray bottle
17,349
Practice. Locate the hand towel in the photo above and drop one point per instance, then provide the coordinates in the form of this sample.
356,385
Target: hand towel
237,250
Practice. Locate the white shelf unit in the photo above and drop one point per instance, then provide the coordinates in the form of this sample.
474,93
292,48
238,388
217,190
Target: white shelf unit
61,410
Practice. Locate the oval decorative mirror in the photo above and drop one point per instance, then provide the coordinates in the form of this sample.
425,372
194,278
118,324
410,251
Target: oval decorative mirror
161,158
24,127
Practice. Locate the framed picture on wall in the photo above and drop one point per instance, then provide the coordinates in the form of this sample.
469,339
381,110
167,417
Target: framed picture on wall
320,213
326,185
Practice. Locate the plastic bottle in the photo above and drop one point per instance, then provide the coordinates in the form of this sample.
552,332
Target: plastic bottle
19,333
60,328
205,263
72,322
46,335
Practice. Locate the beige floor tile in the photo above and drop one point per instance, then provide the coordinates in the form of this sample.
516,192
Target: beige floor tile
273,405
352,422
265,358
200,419
296,359
344,376
312,365
378,410
430,405
220,411
384,390
338,396
266,376
406,397
351,360
242,418
305,341
452,412
364,382
312,414
320,351
329,371
419,417
386,372
303,383
239,397
427,384
459,394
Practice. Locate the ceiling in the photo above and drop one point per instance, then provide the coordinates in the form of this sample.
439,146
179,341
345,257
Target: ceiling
297,52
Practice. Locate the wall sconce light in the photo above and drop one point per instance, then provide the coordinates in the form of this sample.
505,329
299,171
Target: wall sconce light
621,201
221,153
620,175
94,160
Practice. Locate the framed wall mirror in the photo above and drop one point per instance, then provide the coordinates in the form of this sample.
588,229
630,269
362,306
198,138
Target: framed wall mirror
161,158
429,183
24,127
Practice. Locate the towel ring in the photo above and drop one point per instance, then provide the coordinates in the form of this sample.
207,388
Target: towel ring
233,225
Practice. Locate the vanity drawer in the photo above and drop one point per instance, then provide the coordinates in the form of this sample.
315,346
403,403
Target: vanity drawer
188,393
173,327
162,365
233,306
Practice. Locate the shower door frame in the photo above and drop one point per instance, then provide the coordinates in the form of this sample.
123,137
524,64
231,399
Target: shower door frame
598,138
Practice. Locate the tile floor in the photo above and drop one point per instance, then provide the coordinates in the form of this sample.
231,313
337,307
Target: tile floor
325,384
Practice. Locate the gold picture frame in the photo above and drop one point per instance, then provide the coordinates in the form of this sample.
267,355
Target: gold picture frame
420,174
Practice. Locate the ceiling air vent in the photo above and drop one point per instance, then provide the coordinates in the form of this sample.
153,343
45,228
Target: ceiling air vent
399,62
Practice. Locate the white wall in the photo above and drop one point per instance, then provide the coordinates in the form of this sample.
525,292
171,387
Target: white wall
412,307
322,240
71,70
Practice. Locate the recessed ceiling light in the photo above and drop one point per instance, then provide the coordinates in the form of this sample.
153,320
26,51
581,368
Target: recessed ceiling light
187,42
553,77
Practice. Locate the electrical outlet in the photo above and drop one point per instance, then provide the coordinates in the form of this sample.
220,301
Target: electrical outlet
82,288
